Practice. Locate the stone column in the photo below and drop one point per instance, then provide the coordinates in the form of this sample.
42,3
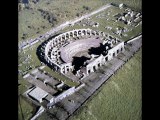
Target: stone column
68,35
92,69
89,32
52,43
73,34
60,37
65,36
77,34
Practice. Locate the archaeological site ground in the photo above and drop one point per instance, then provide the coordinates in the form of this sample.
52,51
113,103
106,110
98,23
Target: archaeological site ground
79,59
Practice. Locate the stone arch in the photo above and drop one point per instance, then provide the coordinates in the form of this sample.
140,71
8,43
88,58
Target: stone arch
93,32
115,40
71,34
79,32
56,39
89,71
75,33
84,32
88,32
110,37
67,35
122,48
63,70
63,37
113,54
106,58
102,33
97,33
117,51
94,68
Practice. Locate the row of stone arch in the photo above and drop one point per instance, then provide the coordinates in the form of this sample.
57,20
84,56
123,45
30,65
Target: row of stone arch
60,40
75,33
103,59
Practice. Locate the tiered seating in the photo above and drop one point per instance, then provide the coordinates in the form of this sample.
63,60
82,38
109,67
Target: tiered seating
72,49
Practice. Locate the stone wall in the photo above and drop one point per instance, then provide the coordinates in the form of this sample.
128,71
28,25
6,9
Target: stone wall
65,94
93,66
40,111
53,55
67,67
52,52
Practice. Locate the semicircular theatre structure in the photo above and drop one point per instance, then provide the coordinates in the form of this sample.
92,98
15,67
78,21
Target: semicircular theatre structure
70,50
60,51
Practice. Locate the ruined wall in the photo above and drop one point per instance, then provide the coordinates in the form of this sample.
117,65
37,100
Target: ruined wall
66,67
52,50
115,50
93,66
52,56
65,94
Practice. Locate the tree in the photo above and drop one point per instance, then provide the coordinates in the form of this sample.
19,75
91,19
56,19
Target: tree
77,14
86,7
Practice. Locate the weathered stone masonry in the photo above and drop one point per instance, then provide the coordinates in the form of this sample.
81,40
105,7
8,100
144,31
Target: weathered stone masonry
53,49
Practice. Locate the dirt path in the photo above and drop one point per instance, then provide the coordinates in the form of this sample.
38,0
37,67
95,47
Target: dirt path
62,26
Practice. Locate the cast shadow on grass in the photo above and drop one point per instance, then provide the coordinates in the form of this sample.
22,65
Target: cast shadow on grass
40,52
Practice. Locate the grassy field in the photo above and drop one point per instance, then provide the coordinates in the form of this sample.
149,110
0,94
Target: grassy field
32,23
135,4
25,109
133,31
34,62
118,99
119,89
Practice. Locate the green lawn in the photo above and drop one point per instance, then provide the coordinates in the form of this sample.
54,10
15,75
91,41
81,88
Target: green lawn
33,62
63,11
25,109
119,98
104,23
